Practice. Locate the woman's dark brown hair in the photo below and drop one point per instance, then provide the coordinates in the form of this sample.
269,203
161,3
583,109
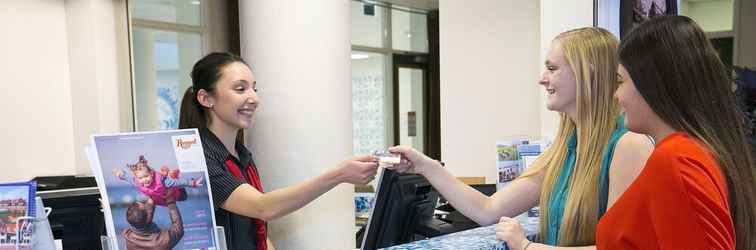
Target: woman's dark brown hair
205,75
678,73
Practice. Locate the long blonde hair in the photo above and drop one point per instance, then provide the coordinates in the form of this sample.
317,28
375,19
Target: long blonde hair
592,54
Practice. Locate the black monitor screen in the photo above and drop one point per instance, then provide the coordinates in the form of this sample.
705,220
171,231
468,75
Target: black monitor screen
402,202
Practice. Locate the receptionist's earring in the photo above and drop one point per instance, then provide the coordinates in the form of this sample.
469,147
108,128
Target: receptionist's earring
211,106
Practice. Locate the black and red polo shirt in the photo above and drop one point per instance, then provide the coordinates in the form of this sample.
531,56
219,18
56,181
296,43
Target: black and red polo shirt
227,173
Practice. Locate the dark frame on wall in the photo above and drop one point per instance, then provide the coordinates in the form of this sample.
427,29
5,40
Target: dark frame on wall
431,142
634,12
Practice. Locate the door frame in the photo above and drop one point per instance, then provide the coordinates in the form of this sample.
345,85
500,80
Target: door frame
431,121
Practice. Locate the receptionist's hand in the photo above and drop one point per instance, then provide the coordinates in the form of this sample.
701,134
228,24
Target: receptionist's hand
510,231
412,160
358,170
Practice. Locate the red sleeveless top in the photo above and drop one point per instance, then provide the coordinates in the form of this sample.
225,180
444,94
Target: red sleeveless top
679,201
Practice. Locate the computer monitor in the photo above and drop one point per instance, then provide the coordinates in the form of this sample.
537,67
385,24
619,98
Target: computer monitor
404,205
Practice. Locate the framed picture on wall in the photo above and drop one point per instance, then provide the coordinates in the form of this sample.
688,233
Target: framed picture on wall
619,16
634,12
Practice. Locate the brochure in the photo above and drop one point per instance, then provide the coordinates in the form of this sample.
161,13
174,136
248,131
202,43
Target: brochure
154,189
16,202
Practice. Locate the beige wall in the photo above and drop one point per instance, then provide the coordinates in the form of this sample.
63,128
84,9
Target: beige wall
492,55
556,17
99,69
37,121
713,15
489,68
62,68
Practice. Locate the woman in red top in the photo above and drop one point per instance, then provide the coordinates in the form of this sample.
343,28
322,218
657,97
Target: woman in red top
697,188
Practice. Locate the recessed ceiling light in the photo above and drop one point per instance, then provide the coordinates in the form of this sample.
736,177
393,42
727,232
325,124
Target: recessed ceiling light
195,2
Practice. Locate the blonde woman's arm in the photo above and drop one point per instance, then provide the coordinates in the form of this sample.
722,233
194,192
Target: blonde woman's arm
516,198
629,157
511,233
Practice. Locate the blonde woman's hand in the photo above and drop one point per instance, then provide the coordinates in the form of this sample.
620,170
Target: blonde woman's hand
510,231
412,160
358,170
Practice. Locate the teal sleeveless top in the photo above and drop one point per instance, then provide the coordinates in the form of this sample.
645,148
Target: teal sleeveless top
558,195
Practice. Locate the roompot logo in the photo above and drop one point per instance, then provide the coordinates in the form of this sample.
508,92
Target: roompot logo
185,144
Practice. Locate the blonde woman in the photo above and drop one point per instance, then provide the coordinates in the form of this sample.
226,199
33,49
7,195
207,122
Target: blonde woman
591,162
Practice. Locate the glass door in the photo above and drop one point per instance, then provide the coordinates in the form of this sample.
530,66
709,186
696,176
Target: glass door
412,124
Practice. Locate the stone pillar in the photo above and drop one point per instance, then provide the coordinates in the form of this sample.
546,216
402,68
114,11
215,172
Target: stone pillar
299,51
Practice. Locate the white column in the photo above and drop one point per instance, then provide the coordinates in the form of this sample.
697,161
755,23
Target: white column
144,79
190,51
190,47
299,53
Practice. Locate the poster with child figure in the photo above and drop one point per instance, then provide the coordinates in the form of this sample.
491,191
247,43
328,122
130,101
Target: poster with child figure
155,187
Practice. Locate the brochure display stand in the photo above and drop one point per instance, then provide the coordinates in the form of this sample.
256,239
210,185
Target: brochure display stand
152,183
35,232
108,243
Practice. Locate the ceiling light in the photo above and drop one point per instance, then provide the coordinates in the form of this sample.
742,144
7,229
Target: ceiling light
360,56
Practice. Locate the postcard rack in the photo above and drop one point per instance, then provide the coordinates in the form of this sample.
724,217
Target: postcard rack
34,232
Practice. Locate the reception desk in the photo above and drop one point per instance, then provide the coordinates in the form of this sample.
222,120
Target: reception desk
482,238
